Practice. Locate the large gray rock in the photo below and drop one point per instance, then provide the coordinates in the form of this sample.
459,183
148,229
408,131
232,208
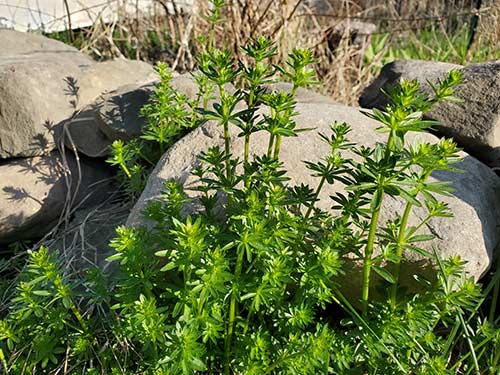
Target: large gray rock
394,72
118,112
472,233
18,45
34,192
475,123
82,133
42,84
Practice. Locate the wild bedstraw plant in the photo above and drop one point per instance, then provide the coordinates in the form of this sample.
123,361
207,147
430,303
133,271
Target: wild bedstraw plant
244,289
169,115
245,285
43,311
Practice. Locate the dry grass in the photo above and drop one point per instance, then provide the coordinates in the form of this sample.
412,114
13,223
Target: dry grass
167,33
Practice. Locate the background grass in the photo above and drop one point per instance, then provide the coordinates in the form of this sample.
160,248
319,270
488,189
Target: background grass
457,31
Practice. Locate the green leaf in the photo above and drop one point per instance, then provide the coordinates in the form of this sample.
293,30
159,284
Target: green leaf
162,253
421,238
419,250
386,275
169,266
114,257
66,302
376,200
409,197
43,293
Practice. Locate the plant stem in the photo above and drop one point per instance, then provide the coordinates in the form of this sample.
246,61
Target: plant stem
399,252
251,97
316,195
232,312
227,150
227,139
282,359
60,288
247,146
211,38
367,261
277,147
278,138
471,345
126,170
270,146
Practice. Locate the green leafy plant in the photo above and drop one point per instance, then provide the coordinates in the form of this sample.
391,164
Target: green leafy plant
249,283
246,290
169,115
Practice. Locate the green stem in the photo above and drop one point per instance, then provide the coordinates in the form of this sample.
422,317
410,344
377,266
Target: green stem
399,253
227,138
251,97
60,288
270,145
247,148
282,359
227,150
126,170
211,38
367,261
277,147
495,361
316,195
3,361
79,317
187,279
471,345
232,312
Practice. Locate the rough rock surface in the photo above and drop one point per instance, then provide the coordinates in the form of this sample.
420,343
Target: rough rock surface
472,233
82,134
475,123
118,112
31,46
43,82
34,192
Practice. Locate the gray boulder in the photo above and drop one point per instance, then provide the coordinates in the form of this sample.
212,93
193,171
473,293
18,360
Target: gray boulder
34,192
472,233
17,45
474,124
118,112
82,133
394,72
43,83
